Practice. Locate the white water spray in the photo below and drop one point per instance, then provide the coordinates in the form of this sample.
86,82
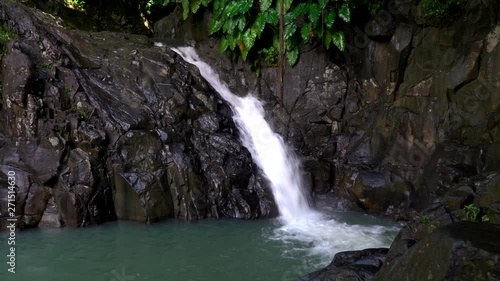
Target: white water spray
268,150
303,228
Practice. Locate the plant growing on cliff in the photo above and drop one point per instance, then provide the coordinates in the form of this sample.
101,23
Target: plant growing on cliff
76,4
249,27
489,214
425,220
471,212
5,37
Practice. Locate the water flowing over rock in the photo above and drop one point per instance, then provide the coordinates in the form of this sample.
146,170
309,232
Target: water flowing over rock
268,150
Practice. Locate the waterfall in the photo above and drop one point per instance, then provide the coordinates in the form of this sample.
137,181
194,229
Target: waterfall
279,164
303,229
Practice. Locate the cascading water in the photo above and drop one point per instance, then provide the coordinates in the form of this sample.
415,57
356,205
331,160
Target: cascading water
303,228
268,150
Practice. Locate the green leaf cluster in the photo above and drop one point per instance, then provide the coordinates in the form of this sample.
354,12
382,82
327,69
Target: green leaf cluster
476,214
250,27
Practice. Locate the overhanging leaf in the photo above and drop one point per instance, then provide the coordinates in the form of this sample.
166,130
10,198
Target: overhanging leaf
327,40
345,13
339,40
195,5
265,4
323,3
304,32
238,7
185,9
231,42
244,53
288,18
290,30
286,5
230,25
292,56
330,18
249,37
259,24
314,12
272,16
215,24
241,23
224,44
300,10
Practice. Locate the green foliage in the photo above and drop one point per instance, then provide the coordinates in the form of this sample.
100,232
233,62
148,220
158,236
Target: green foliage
5,34
471,212
5,37
249,27
76,4
425,220
47,65
442,10
489,214
270,55
148,4
476,214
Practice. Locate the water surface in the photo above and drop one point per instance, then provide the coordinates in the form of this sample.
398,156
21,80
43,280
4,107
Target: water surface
209,250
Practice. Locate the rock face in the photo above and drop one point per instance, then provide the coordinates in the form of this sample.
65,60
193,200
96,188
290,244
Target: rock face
99,126
406,112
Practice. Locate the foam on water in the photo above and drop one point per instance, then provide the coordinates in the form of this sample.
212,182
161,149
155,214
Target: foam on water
302,227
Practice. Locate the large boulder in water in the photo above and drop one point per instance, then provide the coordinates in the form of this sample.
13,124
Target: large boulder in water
352,265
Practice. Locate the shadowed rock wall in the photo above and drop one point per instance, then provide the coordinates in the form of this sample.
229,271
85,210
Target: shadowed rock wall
102,125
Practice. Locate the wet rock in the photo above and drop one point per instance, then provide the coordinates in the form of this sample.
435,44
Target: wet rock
382,26
422,89
467,67
35,205
50,216
353,265
459,251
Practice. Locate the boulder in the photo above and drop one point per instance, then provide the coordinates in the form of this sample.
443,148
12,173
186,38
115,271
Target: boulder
458,251
353,265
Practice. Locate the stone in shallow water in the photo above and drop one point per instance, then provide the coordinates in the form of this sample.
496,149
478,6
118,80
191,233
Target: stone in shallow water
352,265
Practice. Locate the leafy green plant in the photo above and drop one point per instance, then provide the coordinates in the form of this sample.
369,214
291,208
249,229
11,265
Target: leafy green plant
47,65
5,34
425,220
471,212
489,214
76,4
5,37
248,27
